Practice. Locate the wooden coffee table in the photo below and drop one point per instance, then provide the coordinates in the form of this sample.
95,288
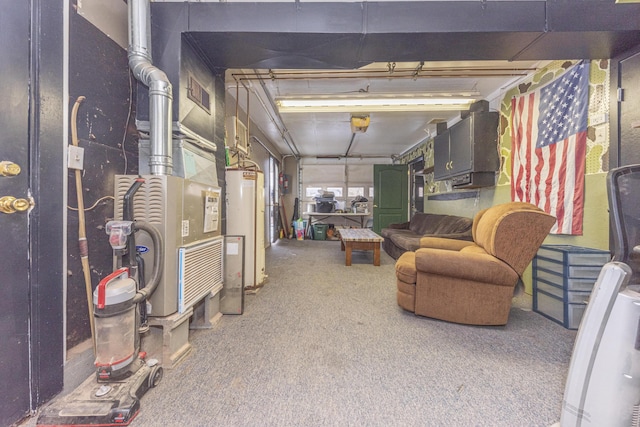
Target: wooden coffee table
360,239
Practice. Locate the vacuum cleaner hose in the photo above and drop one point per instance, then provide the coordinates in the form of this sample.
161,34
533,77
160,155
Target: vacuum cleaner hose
158,254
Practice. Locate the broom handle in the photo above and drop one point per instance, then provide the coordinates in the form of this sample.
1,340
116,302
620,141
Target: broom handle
82,235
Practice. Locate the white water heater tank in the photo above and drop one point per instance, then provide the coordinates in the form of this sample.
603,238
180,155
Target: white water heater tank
245,217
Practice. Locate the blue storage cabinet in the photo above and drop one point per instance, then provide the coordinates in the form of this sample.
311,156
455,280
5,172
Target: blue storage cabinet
563,277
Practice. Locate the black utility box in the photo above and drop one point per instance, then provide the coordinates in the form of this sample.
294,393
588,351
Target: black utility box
325,207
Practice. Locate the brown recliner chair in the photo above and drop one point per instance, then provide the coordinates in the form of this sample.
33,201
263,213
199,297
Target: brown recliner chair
473,282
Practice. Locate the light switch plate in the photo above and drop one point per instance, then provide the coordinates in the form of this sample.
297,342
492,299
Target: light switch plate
75,159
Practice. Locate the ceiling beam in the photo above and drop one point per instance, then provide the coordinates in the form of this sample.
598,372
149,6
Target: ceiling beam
352,34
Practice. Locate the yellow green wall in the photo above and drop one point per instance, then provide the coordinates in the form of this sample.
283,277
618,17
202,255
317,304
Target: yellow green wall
596,216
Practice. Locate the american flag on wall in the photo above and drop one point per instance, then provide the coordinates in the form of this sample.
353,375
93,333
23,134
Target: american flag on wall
548,148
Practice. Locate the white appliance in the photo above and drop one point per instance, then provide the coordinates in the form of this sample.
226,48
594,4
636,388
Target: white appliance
245,217
187,214
603,383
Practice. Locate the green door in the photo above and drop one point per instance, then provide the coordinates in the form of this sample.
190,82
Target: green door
390,195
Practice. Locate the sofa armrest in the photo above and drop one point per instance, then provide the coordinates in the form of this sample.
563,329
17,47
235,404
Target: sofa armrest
464,265
399,226
450,244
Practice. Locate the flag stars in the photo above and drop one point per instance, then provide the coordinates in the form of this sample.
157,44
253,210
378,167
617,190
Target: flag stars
561,106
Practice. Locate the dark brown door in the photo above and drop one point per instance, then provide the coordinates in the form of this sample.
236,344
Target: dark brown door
14,247
31,206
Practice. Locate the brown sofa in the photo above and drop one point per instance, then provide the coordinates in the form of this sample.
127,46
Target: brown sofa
403,237
473,282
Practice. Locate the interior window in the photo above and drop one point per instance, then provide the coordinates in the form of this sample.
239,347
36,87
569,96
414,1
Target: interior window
355,191
312,191
337,191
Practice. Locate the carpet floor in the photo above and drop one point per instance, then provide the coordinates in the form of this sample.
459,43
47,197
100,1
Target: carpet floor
322,344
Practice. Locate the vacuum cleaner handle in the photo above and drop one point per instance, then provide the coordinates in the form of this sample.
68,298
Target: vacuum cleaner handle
102,286
158,255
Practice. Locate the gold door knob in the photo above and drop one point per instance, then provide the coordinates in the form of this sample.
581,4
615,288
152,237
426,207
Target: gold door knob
8,168
9,204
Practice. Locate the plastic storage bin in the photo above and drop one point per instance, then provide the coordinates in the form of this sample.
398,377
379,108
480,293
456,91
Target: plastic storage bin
320,231
563,277
574,255
568,315
300,229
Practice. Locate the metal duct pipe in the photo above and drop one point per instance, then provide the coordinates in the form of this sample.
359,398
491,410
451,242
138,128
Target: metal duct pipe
160,92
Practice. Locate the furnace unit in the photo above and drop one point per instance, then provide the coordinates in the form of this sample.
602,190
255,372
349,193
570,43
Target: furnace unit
187,214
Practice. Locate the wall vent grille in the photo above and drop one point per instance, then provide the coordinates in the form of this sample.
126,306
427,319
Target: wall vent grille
200,271
199,95
148,202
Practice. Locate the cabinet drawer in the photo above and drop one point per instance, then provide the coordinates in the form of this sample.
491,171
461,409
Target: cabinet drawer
578,297
574,255
571,297
574,315
548,288
570,271
581,285
549,306
568,315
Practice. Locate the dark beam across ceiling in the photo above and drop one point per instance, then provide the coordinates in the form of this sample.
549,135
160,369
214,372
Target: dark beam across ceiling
349,35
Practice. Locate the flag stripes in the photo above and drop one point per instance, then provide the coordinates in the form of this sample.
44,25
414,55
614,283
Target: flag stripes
549,139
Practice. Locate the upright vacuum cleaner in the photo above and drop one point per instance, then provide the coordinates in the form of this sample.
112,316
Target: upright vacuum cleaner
123,374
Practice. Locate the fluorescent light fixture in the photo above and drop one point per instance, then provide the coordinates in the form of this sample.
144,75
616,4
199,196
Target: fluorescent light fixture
374,102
